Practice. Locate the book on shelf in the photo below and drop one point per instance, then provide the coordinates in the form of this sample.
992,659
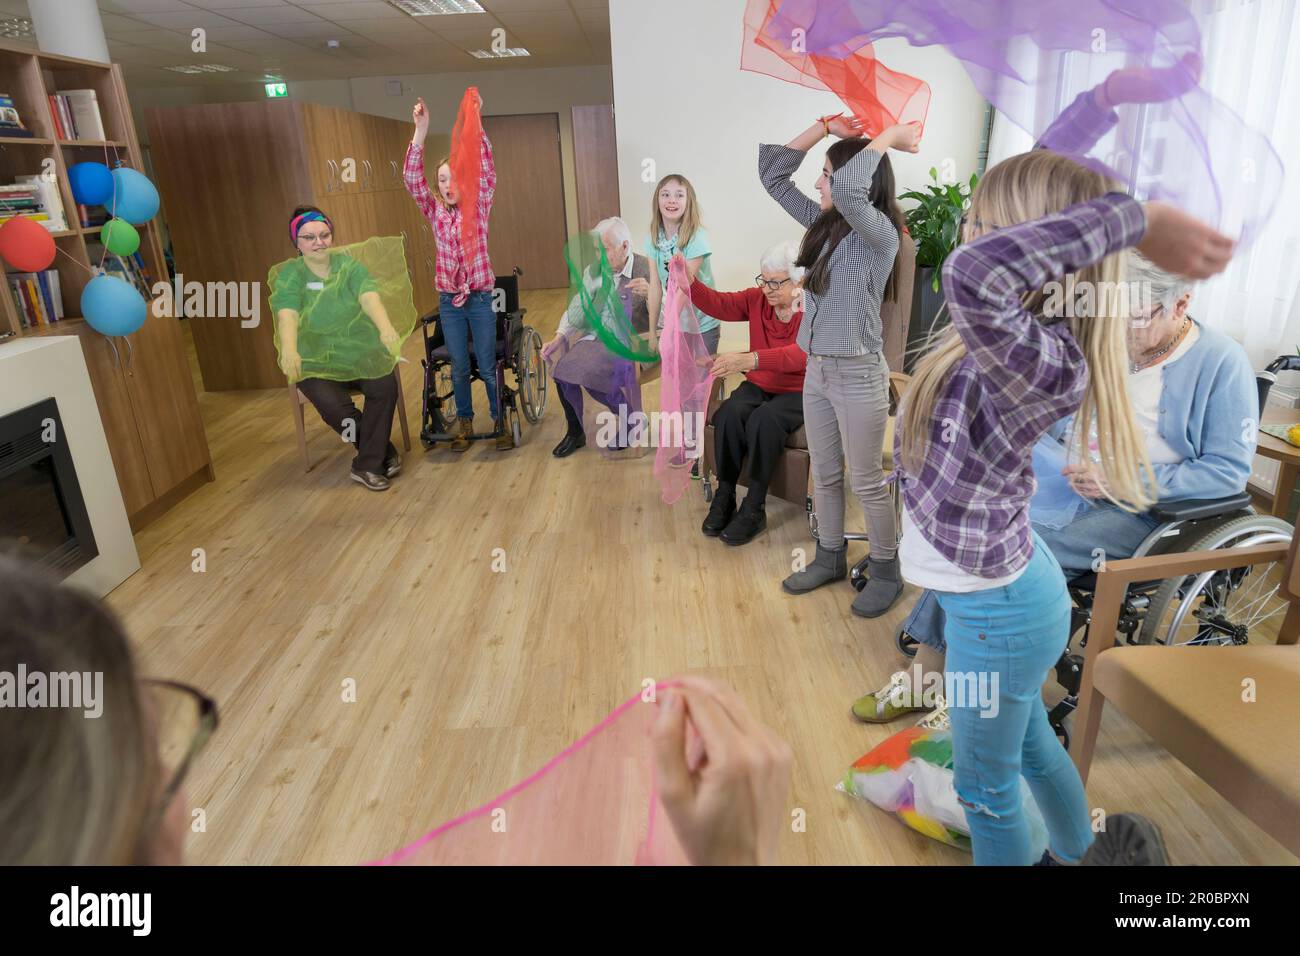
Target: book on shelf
11,124
92,216
80,114
48,199
37,296
128,268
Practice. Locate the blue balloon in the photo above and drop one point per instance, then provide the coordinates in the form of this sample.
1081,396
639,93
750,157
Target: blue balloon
92,183
112,306
134,199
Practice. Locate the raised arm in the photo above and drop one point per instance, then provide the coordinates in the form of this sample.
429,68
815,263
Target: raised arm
850,191
413,166
985,281
487,182
776,164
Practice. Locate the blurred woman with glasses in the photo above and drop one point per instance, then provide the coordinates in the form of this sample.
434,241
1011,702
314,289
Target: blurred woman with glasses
80,789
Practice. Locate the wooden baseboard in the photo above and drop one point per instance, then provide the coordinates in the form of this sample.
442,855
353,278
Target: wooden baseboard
159,506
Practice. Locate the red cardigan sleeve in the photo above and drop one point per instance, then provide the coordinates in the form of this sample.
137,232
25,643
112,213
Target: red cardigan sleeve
723,306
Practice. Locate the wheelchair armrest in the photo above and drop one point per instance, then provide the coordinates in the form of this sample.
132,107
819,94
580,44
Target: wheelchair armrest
1192,509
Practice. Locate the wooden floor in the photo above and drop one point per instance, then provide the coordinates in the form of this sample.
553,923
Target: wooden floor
468,680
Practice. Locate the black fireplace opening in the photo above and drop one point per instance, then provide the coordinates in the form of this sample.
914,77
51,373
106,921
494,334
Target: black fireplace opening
42,510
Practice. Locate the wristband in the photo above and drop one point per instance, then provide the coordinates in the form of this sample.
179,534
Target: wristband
826,127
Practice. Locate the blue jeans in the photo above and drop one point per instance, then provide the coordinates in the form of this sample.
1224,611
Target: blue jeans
1008,638
1117,533
459,323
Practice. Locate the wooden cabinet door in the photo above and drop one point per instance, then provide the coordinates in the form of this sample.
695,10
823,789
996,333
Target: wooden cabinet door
320,132
117,415
161,389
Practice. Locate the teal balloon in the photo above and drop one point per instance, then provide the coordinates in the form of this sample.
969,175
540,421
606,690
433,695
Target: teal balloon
119,237
112,306
134,198
92,183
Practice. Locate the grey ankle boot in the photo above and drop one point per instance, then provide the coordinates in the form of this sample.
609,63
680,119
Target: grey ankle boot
828,566
884,585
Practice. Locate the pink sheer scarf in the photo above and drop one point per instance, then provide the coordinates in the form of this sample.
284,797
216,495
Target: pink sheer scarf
683,389
594,804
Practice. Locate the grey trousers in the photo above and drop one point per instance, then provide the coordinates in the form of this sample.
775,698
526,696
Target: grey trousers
845,412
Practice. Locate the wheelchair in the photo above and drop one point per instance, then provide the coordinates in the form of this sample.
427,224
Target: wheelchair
518,351
1209,609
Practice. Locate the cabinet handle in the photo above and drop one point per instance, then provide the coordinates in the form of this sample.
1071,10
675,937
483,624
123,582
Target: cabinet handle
370,175
405,241
397,176
130,355
117,359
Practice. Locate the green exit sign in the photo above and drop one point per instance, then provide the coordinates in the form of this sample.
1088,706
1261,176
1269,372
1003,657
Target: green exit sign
277,89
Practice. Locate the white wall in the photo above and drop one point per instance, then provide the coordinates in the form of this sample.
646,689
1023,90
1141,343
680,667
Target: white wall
694,111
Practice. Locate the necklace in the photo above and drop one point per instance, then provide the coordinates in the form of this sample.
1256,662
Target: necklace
1173,343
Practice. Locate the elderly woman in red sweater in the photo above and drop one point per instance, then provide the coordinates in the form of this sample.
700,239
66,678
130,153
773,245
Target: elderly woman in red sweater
757,417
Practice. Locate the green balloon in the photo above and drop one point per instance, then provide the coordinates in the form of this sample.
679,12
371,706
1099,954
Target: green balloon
120,237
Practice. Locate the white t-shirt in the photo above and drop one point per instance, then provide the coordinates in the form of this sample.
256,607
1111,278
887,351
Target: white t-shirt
1144,389
922,565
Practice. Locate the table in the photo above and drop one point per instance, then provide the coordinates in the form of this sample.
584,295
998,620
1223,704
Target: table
1286,455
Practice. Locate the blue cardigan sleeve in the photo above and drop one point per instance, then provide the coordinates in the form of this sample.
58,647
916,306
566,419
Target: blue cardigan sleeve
1228,434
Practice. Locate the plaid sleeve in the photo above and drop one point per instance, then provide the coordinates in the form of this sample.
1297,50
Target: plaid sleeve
487,187
776,164
1023,358
1078,127
416,183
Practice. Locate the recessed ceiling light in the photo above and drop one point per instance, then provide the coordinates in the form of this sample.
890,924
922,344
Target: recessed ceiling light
201,68
494,54
433,8
14,28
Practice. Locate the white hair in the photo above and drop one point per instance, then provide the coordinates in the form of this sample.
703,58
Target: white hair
617,229
780,258
1164,288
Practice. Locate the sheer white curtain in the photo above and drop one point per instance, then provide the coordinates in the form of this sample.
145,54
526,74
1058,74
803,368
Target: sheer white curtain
1252,63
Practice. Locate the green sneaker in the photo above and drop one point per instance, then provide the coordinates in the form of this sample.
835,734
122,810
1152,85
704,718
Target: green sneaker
888,703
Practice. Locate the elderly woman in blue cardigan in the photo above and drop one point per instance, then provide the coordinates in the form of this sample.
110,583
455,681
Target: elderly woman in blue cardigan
1195,400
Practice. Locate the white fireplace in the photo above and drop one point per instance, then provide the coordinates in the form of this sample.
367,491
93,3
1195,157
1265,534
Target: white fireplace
59,495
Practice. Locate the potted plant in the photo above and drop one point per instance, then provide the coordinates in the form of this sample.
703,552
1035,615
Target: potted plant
933,223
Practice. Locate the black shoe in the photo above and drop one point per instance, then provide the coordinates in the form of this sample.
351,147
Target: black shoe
1128,840
720,512
392,466
569,444
743,528
370,480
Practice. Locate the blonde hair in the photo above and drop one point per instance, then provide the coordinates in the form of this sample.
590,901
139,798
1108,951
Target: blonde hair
690,216
1021,189
78,790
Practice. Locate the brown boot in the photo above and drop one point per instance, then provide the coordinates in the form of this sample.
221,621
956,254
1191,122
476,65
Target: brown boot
505,440
464,428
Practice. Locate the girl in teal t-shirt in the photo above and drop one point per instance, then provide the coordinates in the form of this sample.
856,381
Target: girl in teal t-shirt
675,227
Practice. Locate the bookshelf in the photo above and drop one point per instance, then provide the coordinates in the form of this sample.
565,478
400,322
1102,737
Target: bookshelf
30,77
142,383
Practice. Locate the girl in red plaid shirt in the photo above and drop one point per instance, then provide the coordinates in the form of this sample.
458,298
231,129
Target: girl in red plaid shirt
465,280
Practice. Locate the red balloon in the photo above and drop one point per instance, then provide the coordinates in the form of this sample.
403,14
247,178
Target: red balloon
26,244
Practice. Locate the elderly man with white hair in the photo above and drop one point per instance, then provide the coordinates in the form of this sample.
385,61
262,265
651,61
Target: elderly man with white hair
757,417
581,360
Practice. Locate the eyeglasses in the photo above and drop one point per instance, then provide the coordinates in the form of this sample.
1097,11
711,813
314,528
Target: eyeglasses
185,718
770,284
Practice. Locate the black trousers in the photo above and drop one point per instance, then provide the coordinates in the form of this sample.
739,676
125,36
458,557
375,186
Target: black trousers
369,430
754,422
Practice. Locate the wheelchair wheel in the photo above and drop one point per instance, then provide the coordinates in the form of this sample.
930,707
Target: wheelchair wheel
530,372
907,644
515,433
442,403
1221,607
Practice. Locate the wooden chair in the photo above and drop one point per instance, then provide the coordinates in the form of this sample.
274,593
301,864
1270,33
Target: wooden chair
297,400
1194,700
